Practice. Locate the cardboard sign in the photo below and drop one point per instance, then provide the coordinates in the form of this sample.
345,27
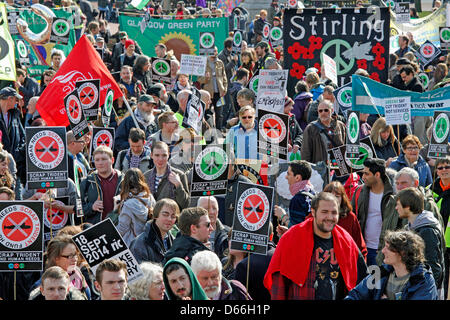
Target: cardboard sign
102,241
107,108
271,90
266,31
343,166
397,110
55,219
276,36
194,65
22,52
210,172
207,42
402,14
238,38
21,237
444,36
427,53
329,68
46,157
352,135
195,110
252,216
74,111
60,31
438,147
101,137
161,71
343,96
273,134
88,93
345,37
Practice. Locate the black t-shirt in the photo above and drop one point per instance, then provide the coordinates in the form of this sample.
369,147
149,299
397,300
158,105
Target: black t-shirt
329,283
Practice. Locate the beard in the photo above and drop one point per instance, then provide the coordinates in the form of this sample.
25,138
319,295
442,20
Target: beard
212,291
147,116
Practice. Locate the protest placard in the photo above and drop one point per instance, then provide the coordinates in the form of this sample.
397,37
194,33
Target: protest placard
101,137
402,14
89,95
438,147
21,239
195,110
161,70
46,157
206,43
252,216
102,241
273,134
193,65
352,135
397,110
210,173
271,91
329,68
74,110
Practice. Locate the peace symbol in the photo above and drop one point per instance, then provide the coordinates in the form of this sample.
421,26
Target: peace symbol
342,67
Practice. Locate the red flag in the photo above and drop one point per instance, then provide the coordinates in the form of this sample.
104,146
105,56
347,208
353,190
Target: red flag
82,63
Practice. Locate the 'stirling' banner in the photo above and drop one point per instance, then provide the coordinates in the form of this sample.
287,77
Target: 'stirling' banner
354,39
369,96
181,36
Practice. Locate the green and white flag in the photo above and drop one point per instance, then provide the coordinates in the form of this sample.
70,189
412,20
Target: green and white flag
7,58
138,4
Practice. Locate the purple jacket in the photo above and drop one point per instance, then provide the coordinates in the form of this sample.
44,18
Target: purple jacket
300,103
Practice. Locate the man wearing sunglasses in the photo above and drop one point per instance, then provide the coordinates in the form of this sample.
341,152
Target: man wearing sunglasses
243,137
441,193
330,130
195,227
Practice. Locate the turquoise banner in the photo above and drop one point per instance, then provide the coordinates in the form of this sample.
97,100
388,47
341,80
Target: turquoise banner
369,96
181,36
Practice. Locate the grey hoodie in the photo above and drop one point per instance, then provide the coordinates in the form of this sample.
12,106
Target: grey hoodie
429,229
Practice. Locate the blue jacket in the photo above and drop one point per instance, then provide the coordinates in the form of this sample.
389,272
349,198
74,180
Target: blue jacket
422,167
123,131
300,207
420,285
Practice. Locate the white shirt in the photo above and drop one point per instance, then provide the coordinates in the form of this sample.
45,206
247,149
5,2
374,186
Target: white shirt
374,221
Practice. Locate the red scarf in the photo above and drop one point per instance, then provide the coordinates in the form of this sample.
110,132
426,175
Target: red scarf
292,256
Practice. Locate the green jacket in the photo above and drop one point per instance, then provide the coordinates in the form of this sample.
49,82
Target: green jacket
197,292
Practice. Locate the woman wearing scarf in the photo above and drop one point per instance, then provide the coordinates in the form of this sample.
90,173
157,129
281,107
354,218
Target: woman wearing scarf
298,175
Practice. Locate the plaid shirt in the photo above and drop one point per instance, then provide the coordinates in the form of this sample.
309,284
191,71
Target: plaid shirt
284,289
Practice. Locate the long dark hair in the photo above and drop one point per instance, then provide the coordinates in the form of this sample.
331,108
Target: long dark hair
337,187
134,183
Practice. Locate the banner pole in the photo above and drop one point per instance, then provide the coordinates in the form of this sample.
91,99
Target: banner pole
15,285
248,271
51,213
130,110
398,139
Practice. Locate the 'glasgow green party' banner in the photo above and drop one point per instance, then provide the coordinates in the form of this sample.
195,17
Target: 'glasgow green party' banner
33,52
369,96
423,29
181,36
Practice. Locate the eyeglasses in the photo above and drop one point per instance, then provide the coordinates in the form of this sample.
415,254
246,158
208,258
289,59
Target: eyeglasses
71,256
208,224
444,167
247,117
324,110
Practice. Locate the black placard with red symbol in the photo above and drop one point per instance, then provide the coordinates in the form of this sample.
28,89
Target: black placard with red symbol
55,219
75,113
273,134
46,157
21,236
353,39
252,216
101,137
89,95
427,53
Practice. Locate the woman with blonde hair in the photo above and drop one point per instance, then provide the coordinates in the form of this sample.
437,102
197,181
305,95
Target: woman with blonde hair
384,141
151,285
136,205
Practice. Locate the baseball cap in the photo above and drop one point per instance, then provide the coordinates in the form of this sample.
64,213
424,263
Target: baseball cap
9,92
146,98
123,34
100,39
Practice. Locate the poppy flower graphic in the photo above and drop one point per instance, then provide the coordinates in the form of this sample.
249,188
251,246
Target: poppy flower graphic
296,50
378,49
375,76
315,43
379,63
317,66
308,54
362,64
297,70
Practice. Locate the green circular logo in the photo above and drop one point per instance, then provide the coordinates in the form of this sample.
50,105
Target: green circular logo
161,67
353,127
276,33
406,116
109,102
22,49
445,34
237,39
207,40
60,27
211,163
365,152
441,127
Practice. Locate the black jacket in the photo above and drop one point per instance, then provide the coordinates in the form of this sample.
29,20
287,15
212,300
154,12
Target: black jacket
148,246
184,247
221,239
415,85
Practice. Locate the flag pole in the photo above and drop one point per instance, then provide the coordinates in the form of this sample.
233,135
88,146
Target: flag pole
130,110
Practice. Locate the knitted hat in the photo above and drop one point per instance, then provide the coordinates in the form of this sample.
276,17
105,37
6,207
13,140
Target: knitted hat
128,43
